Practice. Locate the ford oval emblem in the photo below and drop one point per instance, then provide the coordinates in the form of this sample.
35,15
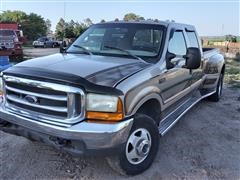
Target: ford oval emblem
31,99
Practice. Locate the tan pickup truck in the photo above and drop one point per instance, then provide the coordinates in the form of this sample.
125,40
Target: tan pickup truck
117,89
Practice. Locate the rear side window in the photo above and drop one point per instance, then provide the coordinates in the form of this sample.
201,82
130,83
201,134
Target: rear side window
192,39
177,44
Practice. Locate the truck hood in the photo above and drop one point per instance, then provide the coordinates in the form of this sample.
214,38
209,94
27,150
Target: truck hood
100,70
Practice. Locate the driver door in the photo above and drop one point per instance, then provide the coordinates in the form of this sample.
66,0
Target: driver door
177,83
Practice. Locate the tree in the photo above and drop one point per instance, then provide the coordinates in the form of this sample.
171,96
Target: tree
132,16
13,16
88,22
71,29
34,26
48,25
78,29
60,29
231,38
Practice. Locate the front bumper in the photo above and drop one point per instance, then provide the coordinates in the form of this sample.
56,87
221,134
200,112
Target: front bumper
82,138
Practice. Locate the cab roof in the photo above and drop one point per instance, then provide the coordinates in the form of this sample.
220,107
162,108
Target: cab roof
154,22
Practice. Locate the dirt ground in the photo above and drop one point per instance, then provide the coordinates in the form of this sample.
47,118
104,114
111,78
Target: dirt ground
204,144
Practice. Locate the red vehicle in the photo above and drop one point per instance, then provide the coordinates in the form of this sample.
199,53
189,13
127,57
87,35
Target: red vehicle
11,40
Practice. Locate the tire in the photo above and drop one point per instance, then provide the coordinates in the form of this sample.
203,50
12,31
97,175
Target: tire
53,45
217,95
142,143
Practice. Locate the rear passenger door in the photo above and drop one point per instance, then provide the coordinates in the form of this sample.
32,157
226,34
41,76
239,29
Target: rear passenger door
197,74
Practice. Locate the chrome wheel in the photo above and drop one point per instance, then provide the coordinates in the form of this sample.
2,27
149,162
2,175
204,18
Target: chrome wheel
138,146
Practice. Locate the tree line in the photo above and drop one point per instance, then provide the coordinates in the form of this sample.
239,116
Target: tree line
73,28
35,26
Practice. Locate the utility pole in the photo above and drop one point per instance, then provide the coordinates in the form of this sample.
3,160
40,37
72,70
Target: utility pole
64,17
222,29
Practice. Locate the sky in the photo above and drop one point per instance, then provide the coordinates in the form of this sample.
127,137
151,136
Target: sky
210,17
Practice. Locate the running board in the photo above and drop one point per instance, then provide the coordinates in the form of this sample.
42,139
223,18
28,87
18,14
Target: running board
170,120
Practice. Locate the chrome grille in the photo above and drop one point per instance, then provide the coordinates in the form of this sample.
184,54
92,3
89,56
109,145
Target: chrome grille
44,100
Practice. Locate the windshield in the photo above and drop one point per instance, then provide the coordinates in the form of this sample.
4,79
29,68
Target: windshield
124,40
7,33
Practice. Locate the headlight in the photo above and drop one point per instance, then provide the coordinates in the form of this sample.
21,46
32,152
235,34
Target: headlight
104,107
103,103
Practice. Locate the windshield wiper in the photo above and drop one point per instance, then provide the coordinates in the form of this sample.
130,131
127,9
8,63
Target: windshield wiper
123,50
84,49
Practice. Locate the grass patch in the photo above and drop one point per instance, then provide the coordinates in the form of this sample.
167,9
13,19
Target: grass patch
232,72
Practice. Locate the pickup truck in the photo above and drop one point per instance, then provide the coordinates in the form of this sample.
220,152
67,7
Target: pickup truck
117,89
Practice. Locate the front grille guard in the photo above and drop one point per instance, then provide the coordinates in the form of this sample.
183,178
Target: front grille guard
71,110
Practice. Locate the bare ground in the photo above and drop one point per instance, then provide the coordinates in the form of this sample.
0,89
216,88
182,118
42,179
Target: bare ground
205,144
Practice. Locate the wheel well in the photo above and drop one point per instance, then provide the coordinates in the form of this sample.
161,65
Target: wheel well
151,108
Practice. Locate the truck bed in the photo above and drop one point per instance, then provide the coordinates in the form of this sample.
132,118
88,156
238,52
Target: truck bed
208,52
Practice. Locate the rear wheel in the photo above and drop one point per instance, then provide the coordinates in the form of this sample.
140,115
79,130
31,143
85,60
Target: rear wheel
217,95
140,149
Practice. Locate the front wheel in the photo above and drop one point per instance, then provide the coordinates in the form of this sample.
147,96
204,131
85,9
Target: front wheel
140,149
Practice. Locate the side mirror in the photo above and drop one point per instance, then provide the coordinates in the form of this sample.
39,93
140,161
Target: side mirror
63,47
169,57
193,58
21,33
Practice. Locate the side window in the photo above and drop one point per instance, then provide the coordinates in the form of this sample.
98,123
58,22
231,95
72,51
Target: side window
192,39
177,44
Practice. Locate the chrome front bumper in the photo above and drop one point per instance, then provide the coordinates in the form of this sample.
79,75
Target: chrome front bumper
91,136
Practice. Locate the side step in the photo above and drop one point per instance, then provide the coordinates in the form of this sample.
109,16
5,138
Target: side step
170,120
